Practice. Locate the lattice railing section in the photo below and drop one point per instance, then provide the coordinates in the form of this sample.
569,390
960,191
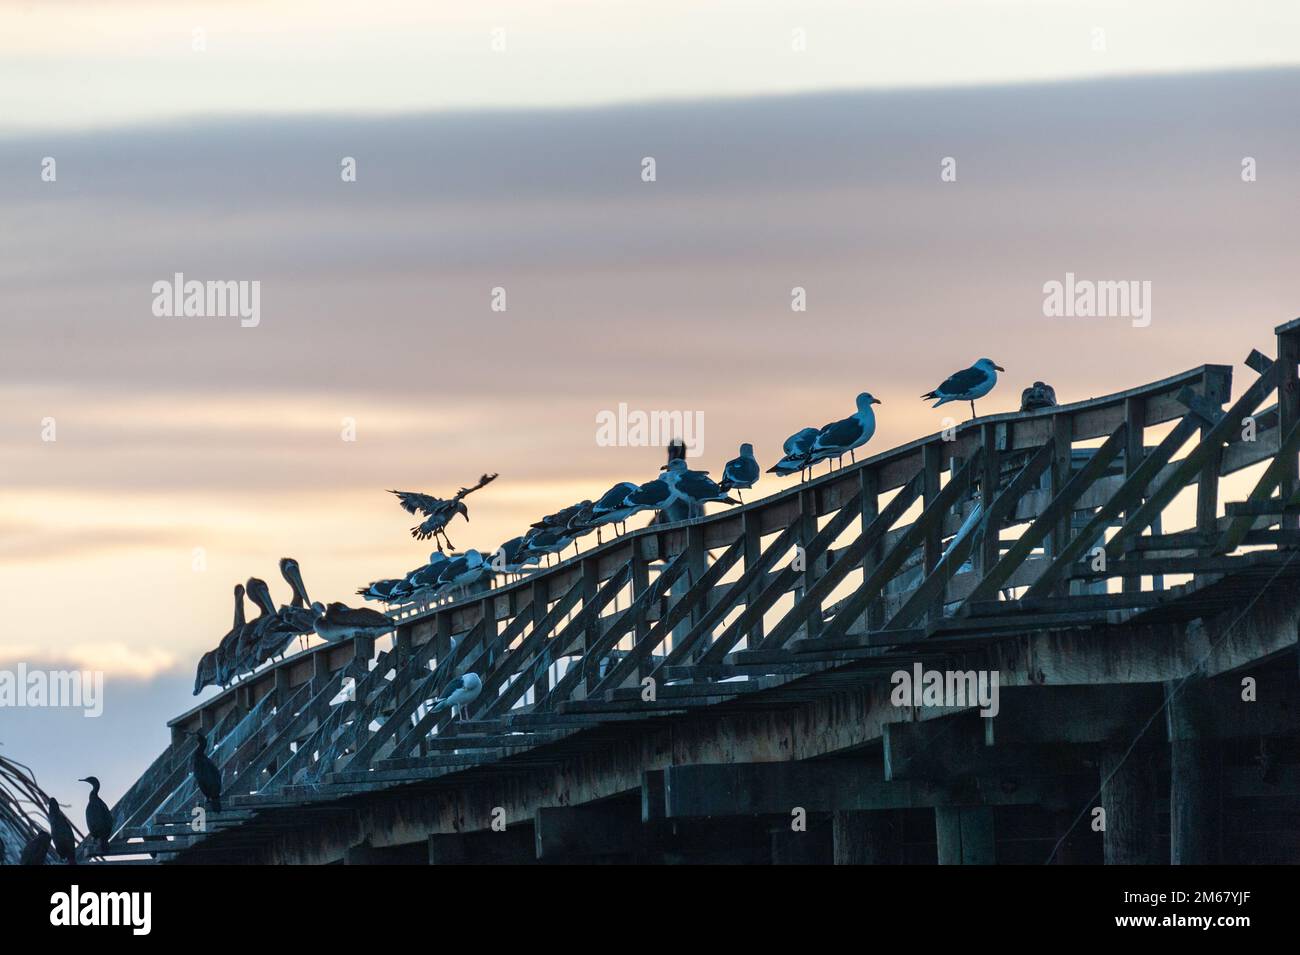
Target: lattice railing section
1055,515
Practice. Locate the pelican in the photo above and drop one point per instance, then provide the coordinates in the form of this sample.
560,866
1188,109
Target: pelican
206,672
99,818
968,384
297,616
797,448
741,472
65,840
224,659
840,437
458,694
341,622
206,774
250,640
437,511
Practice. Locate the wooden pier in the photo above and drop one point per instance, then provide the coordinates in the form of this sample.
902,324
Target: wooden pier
722,689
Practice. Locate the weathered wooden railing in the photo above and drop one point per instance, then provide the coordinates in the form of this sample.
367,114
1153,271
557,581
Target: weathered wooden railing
953,537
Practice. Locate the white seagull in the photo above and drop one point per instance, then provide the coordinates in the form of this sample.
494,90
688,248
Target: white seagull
741,472
340,622
797,447
459,692
967,385
840,437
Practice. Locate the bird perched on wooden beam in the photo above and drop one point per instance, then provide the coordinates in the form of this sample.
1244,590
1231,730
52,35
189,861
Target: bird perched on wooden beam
968,384
437,511
99,818
207,776
65,839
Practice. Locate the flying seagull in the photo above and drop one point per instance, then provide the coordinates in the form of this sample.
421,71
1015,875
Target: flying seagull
99,818
967,385
437,512
840,437
797,447
459,692
741,472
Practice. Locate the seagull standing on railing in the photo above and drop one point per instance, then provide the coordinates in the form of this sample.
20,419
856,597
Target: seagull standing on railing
611,507
437,512
380,590
740,473
841,437
695,488
461,572
797,448
459,693
340,622
967,385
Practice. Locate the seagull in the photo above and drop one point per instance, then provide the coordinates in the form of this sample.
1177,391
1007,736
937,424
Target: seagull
37,849
840,437
1039,395
99,818
380,590
437,512
426,577
513,556
967,385
611,507
797,447
651,496
340,622
65,840
206,774
539,543
741,472
462,571
459,692
694,487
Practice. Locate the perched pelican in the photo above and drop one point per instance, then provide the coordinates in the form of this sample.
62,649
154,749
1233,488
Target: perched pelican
224,662
255,629
65,840
37,849
459,693
437,512
840,437
611,507
341,622
967,385
206,672
740,473
206,774
99,818
297,616
797,448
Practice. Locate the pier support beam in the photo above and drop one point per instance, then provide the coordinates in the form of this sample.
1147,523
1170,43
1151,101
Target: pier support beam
964,835
514,846
865,838
1195,776
1128,796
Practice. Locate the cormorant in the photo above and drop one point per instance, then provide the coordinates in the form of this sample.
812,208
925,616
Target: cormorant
206,774
65,840
99,818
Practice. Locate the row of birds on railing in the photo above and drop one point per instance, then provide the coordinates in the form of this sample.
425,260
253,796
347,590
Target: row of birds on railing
678,489
250,643
678,485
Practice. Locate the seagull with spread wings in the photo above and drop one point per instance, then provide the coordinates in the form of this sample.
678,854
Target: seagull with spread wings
437,511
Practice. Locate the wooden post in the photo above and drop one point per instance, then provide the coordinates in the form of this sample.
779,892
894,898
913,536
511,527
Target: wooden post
753,551
990,548
1288,405
870,482
862,837
1195,776
808,530
540,591
1128,796
931,462
964,835
1134,449
1063,433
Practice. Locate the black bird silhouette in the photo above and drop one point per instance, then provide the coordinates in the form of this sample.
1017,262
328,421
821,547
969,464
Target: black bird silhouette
37,849
65,840
437,511
99,818
206,774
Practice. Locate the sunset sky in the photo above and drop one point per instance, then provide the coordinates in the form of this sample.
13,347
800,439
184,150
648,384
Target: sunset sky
521,169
